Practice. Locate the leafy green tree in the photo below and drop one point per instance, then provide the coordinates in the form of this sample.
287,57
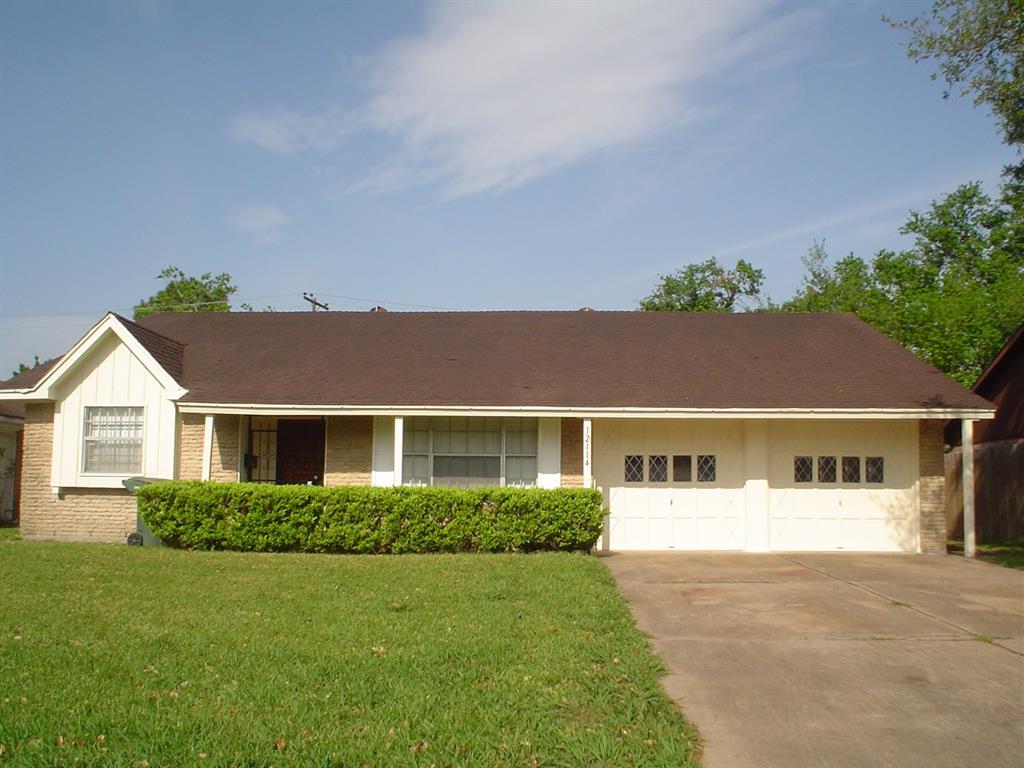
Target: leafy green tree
206,293
979,47
953,298
705,287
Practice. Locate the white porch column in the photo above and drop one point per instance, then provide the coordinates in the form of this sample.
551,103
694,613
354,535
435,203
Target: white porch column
755,486
967,432
399,434
588,453
207,445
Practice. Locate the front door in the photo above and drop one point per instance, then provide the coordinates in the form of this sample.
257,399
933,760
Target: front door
300,451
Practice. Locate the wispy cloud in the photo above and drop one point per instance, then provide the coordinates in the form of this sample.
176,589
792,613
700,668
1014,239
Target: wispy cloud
493,95
285,132
262,221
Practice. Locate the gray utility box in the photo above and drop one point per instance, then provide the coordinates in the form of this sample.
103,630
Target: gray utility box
149,539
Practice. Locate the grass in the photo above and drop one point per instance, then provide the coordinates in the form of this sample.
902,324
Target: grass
1006,553
111,655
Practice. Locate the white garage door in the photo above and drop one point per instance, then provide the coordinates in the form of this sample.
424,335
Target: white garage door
842,486
671,484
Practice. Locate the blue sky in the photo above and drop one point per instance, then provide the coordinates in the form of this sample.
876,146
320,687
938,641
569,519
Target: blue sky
457,156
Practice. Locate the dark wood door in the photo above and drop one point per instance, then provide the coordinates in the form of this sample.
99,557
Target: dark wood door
300,451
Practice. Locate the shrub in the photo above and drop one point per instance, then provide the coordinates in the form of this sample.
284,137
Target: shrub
360,519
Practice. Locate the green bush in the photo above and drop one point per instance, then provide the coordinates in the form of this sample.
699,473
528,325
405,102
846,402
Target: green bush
253,517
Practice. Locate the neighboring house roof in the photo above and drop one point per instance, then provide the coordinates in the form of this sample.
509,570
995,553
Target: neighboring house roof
31,377
1002,382
12,411
537,359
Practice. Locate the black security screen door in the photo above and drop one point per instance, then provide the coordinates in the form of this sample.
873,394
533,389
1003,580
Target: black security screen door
300,451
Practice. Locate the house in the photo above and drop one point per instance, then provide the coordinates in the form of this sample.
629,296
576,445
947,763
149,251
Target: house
998,452
751,432
12,418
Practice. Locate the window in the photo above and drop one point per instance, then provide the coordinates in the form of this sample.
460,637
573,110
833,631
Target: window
682,469
466,452
851,469
803,469
633,469
113,440
706,469
657,469
874,469
826,469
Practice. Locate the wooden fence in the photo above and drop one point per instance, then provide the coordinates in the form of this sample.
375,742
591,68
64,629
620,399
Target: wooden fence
998,491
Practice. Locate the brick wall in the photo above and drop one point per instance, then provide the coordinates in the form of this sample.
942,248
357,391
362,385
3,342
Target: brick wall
572,453
932,486
189,456
349,450
78,514
224,462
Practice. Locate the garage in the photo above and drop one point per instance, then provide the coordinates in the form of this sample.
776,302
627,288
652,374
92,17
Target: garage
779,485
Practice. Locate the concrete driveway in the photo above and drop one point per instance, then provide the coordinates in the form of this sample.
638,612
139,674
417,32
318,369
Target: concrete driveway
837,660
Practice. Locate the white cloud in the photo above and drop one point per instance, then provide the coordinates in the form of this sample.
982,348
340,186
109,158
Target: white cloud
493,95
285,132
262,221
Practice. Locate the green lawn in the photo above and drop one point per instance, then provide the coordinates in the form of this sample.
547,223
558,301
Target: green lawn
151,657
1008,553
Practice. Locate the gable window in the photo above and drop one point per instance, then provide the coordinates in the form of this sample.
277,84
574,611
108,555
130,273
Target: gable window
826,469
112,440
469,452
657,469
874,469
706,469
803,469
633,469
851,469
682,469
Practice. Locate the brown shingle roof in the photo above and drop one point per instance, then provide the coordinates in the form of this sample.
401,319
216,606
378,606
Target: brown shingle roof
165,351
31,377
562,359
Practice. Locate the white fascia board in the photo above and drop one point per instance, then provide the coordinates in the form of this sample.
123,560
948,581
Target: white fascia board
43,390
262,409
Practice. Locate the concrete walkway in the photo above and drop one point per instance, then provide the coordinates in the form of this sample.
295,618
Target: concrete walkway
859,661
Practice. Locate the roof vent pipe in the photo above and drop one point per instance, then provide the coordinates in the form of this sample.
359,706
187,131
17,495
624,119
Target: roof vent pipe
586,309
378,308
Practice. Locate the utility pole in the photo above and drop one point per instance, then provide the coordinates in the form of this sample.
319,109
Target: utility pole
313,302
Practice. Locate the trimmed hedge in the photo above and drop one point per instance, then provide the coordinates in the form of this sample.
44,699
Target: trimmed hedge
253,517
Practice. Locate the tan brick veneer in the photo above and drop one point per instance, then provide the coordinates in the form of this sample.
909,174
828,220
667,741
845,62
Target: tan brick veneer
78,514
932,486
572,453
189,458
349,450
224,462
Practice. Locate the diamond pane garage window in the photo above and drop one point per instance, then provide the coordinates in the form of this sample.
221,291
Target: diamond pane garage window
874,469
657,469
826,469
803,469
706,469
851,469
682,469
634,469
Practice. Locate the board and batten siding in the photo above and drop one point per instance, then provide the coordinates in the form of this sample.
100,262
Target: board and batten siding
111,375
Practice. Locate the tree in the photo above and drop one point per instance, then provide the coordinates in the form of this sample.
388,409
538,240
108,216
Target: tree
979,45
705,287
22,367
953,299
206,293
